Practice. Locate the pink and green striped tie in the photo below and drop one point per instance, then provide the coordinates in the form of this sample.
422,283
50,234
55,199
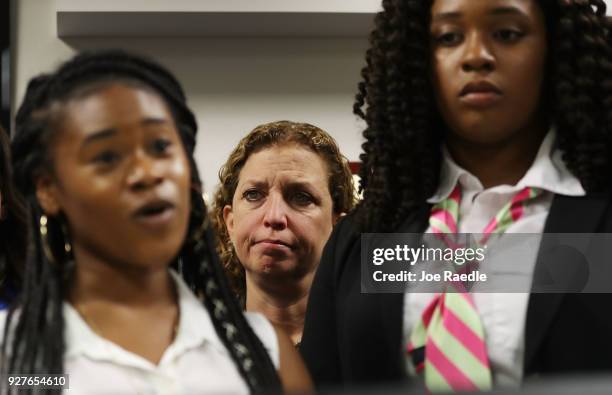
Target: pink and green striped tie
448,342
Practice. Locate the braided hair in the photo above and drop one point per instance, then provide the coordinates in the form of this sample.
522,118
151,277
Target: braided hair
404,130
36,343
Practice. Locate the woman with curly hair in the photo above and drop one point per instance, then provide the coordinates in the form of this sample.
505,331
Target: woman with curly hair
13,228
122,289
482,117
281,191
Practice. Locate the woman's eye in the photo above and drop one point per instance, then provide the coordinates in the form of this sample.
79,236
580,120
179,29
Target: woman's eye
302,199
508,35
252,195
448,39
160,146
106,158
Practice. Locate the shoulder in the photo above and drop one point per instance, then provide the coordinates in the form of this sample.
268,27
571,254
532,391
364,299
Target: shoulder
197,322
591,213
346,231
266,333
344,242
346,237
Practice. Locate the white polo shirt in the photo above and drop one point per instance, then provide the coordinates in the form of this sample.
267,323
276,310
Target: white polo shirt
197,362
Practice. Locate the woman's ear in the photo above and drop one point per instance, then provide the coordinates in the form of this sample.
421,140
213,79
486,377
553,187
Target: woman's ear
228,218
46,194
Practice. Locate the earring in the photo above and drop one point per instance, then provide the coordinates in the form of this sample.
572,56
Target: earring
67,245
44,235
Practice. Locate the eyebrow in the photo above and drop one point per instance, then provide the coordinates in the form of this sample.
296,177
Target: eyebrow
154,121
507,11
254,183
496,11
99,135
292,184
112,132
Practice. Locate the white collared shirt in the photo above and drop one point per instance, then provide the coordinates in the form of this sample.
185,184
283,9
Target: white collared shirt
197,362
503,315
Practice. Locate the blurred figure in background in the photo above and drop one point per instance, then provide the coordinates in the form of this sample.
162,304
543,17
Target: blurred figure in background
13,228
281,191
122,254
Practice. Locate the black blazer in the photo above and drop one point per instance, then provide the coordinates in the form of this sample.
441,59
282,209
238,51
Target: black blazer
355,338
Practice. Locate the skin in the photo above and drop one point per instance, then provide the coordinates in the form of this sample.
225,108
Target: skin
502,42
282,195
118,149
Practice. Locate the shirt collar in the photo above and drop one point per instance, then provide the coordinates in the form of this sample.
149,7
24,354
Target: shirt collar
195,328
547,172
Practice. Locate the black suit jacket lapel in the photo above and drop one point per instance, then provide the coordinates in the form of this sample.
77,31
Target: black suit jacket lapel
567,215
393,304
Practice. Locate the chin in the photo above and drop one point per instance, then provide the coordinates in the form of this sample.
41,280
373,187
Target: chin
157,257
486,129
281,270
275,268
483,135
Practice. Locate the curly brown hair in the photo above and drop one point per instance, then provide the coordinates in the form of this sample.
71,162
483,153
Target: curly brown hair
340,182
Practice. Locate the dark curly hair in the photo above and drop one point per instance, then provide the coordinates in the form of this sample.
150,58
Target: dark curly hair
340,181
35,342
13,226
404,133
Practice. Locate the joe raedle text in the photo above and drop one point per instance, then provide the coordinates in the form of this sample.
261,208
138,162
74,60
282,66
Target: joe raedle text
445,276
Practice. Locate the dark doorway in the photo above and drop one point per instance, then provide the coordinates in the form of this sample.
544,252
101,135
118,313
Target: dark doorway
5,64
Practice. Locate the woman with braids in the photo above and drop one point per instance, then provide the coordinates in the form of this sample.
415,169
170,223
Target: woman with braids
13,228
103,153
482,117
281,191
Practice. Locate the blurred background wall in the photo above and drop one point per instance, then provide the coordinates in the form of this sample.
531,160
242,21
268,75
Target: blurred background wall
271,60
233,83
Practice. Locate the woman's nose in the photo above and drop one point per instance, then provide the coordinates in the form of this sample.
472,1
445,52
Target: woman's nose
477,55
275,215
144,171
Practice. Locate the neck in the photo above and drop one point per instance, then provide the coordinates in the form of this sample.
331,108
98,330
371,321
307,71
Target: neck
99,281
284,306
503,163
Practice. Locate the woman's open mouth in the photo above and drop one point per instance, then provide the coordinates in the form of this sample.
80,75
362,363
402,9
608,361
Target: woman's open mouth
155,214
